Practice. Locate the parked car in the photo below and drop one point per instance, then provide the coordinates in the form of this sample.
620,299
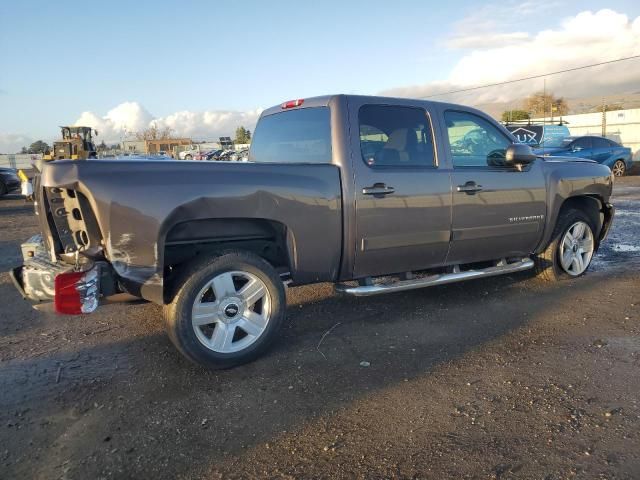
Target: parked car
607,152
186,155
243,155
226,156
208,155
376,194
213,154
9,180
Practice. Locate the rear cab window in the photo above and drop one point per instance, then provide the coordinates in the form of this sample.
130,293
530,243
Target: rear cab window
294,136
395,136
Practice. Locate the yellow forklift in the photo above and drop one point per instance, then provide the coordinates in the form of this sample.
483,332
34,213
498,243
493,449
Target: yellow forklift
76,144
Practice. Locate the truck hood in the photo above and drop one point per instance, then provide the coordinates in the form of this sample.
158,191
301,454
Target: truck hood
566,159
551,150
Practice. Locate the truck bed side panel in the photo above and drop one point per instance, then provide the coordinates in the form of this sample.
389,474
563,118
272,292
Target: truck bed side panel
137,203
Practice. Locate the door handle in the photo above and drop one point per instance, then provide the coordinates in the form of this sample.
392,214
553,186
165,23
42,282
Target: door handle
378,189
469,188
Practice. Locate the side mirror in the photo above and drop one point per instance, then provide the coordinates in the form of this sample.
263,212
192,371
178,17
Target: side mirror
519,154
576,148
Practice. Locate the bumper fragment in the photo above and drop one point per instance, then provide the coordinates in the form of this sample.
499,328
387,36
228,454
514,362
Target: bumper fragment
609,212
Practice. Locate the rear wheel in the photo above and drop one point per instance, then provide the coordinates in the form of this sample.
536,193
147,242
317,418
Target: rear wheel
228,311
571,249
619,168
188,157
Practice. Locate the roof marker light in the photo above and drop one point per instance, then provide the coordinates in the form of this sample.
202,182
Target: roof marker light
292,103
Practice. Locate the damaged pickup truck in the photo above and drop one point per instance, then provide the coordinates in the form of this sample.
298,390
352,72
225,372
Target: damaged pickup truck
375,194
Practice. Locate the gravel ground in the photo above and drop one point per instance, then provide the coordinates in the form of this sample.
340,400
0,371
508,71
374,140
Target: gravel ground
498,378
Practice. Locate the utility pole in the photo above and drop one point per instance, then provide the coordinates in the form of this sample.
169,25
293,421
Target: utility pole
544,103
604,118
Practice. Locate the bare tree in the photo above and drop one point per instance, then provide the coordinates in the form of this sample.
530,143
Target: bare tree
542,104
155,133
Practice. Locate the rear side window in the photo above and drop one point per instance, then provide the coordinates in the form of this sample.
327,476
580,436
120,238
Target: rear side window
601,143
295,136
392,136
583,143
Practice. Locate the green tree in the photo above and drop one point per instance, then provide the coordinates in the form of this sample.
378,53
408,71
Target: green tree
38,147
243,135
24,150
513,115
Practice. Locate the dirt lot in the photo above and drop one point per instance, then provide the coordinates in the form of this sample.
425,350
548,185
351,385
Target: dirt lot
499,378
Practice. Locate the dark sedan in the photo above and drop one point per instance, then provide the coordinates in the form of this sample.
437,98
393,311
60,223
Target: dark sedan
618,158
9,180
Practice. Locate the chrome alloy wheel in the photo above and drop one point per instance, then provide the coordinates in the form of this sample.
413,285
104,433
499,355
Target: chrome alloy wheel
618,168
576,249
231,311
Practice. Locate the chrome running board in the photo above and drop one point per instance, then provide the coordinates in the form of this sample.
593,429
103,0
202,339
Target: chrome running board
500,268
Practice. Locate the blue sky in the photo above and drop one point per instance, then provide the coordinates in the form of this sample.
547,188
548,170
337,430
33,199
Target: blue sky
62,58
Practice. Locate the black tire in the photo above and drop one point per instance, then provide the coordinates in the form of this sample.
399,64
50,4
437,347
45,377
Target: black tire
178,313
188,157
619,168
3,189
547,263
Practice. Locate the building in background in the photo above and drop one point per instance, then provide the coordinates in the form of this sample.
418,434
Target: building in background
150,147
134,146
166,145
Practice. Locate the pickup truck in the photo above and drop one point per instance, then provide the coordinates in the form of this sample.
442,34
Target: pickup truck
375,194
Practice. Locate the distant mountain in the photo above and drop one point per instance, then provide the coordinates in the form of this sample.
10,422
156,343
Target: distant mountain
576,105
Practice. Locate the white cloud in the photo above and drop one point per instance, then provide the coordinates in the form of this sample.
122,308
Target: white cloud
127,118
589,37
208,124
492,24
130,117
487,40
13,142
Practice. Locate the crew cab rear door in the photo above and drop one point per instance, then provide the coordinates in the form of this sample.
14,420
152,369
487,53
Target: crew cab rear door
498,211
402,197
601,149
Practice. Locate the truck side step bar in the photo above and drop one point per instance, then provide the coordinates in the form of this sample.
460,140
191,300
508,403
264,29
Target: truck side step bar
372,288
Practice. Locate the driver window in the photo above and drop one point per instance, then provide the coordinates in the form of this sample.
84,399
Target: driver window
475,142
582,143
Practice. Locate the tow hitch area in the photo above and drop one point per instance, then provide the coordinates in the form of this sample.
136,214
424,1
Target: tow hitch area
77,292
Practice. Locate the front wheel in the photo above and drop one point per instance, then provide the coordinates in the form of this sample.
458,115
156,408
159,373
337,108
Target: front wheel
228,311
619,168
571,249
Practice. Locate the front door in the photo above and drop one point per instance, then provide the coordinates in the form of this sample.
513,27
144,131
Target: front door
601,149
582,148
403,199
498,211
